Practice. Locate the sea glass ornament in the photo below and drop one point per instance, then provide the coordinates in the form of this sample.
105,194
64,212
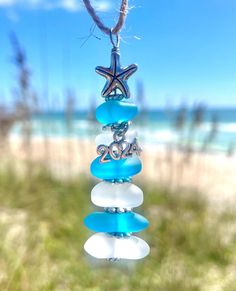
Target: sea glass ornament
116,164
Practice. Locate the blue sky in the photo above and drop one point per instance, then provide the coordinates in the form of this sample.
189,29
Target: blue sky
185,49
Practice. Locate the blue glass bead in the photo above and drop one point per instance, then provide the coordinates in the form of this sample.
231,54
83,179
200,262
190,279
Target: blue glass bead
116,169
113,111
116,222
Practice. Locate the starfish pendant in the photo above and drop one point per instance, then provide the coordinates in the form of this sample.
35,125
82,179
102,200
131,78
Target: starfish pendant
116,76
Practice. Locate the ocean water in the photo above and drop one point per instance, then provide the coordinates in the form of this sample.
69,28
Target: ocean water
154,127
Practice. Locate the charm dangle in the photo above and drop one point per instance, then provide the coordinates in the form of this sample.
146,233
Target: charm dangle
116,76
118,149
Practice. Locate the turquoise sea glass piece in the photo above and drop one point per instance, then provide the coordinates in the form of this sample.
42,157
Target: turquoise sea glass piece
116,169
113,111
116,222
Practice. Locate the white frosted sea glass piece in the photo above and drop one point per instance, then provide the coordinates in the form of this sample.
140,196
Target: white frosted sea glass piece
107,194
106,138
105,246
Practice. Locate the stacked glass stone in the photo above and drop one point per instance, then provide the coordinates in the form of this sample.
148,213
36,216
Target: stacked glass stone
117,164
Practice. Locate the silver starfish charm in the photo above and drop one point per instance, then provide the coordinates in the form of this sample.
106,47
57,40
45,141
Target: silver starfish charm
116,76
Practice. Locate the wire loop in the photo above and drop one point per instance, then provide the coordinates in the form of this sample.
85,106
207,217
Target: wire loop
115,42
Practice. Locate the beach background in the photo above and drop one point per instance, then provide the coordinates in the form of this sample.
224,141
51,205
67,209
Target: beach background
186,127
192,147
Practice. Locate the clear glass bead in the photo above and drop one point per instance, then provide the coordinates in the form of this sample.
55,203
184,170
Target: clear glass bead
105,246
127,195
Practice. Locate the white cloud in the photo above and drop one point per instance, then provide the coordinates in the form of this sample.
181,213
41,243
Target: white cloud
69,5
102,5
7,2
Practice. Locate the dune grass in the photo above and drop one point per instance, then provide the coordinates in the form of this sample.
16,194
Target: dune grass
42,236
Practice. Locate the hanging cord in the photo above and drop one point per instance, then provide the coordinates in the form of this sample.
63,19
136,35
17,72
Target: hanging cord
120,23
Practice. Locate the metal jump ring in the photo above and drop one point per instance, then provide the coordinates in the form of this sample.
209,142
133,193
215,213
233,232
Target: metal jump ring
118,136
120,128
117,41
